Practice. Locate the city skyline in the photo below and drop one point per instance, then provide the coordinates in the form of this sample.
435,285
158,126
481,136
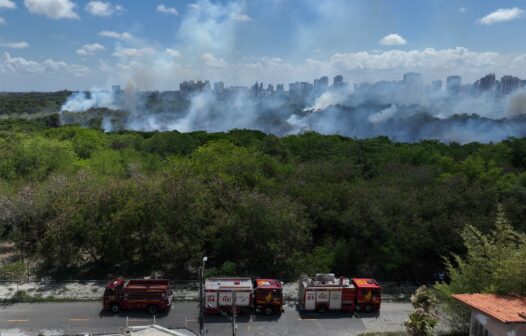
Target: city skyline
81,44
452,85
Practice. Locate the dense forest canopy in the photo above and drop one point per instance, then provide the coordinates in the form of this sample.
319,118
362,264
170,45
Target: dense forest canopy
84,203
32,103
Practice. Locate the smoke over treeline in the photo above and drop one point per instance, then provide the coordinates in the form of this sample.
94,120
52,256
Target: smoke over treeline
210,43
362,112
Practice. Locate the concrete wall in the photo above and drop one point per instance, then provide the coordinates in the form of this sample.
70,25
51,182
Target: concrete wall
494,327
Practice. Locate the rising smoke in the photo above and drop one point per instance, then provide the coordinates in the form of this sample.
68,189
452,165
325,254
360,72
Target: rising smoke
208,36
82,101
368,113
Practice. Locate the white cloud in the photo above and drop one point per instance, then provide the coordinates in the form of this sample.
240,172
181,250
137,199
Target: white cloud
393,39
18,65
7,4
90,49
208,27
429,58
501,15
462,10
133,52
213,62
53,9
63,67
2,21
119,36
22,66
15,45
173,53
194,6
241,17
105,66
102,8
167,10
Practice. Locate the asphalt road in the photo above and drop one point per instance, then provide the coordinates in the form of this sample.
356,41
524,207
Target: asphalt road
87,317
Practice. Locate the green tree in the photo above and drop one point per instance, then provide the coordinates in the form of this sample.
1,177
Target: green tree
422,320
494,263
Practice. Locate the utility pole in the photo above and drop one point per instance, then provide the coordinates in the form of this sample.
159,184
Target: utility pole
234,325
201,298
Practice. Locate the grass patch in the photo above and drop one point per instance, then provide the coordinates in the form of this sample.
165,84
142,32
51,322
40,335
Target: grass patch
13,271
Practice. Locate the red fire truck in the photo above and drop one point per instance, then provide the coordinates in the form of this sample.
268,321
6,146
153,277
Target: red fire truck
264,295
268,296
219,293
326,292
152,295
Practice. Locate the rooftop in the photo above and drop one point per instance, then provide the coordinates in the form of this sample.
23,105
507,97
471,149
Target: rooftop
505,308
228,283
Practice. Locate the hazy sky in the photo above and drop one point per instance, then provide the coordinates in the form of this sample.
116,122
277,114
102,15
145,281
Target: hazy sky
151,44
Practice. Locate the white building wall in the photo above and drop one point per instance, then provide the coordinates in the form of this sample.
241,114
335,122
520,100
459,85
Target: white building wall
493,327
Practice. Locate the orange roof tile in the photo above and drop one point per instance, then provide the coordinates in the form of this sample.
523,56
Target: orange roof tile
505,308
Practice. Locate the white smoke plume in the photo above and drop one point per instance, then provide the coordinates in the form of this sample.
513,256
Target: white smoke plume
383,115
82,101
329,98
206,47
516,104
460,118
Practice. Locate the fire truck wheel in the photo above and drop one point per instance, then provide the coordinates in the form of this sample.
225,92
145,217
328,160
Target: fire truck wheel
268,310
322,309
152,309
368,308
115,308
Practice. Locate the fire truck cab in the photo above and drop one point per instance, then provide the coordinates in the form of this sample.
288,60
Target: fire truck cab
152,295
368,294
325,292
268,296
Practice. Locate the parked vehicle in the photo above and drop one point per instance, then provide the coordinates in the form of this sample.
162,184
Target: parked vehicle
368,294
219,294
152,295
262,295
268,296
325,292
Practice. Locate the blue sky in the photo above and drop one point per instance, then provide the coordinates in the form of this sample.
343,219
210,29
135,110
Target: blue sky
151,44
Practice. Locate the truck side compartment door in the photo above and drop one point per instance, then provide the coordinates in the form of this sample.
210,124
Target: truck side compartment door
225,299
322,296
211,299
310,300
335,302
243,299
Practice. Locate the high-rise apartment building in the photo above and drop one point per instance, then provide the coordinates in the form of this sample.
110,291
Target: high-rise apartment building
487,82
508,84
453,84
